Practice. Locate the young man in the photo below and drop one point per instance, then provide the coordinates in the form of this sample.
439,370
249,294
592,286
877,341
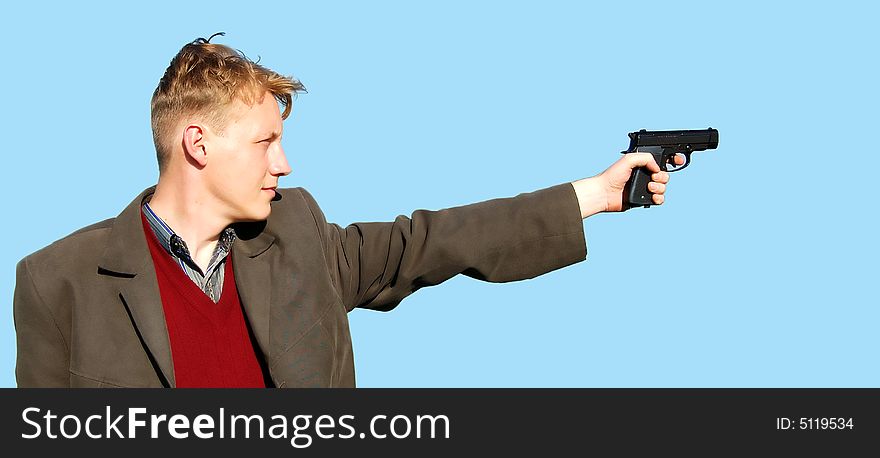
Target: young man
216,278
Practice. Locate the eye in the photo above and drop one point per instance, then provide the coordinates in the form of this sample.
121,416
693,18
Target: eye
271,138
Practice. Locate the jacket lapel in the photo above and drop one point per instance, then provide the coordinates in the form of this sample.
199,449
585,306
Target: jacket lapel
253,278
140,295
127,259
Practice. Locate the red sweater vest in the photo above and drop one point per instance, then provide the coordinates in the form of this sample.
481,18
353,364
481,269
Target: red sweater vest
210,343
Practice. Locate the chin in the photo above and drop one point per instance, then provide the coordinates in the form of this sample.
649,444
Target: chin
260,217
254,215
264,214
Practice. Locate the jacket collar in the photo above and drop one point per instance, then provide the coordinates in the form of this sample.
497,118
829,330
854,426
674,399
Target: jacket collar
126,252
126,256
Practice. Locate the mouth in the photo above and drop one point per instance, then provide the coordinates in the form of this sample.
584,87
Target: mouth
275,195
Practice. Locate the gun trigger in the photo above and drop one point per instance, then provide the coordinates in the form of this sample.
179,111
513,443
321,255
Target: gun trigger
676,167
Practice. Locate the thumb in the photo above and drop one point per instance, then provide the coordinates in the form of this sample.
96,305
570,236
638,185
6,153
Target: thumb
642,160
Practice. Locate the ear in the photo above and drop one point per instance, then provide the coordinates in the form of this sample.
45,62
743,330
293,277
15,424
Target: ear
194,144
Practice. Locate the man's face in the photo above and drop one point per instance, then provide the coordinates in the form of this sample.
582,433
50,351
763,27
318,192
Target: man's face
244,163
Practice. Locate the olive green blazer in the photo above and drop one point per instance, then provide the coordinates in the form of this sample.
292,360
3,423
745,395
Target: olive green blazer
88,312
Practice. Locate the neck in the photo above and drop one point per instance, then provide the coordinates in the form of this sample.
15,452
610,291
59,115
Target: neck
192,215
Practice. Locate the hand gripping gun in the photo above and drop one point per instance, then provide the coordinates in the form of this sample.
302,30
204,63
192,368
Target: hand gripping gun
663,145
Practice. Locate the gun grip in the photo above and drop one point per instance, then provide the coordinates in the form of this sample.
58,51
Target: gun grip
636,193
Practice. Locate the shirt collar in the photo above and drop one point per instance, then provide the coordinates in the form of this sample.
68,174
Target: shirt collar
175,245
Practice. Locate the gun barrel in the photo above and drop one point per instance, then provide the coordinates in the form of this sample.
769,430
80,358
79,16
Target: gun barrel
699,139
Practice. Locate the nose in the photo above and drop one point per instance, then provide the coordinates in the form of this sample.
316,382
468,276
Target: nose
278,162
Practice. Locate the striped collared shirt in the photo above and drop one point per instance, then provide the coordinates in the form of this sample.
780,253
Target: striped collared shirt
210,281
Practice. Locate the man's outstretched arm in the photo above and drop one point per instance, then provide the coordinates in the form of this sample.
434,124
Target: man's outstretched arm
375,265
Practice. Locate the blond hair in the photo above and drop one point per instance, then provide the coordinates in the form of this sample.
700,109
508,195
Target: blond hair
203,79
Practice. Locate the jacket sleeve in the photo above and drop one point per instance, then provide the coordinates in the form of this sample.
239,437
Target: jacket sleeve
42,354
376,265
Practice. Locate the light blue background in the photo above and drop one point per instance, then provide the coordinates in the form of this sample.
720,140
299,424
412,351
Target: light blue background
759,271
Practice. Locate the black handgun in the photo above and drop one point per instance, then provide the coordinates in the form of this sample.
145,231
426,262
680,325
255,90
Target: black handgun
663,145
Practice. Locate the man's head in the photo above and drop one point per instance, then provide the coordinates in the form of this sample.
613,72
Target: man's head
215,116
